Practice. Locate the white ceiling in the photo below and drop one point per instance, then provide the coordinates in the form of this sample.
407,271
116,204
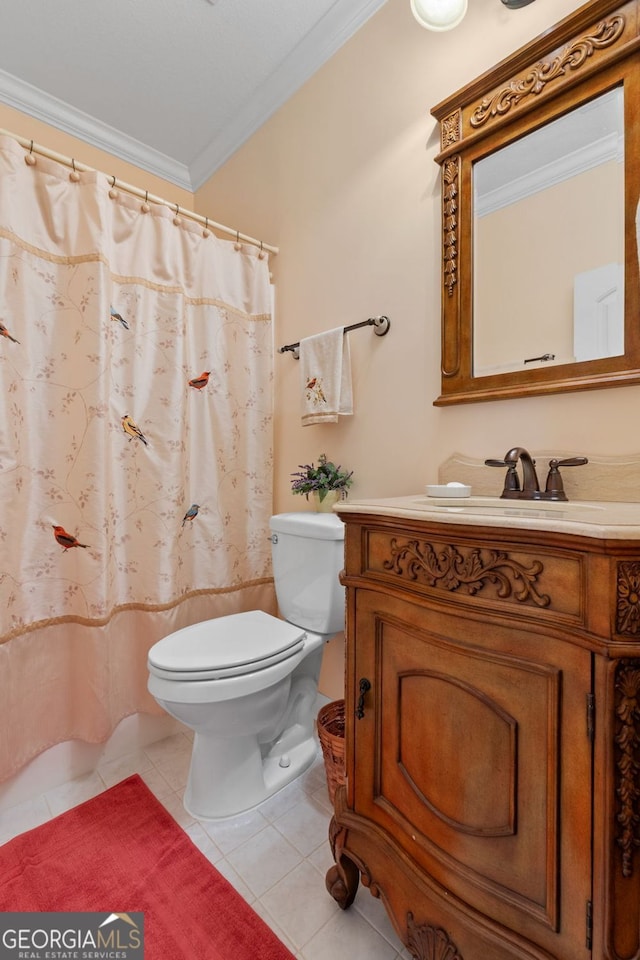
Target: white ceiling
173,86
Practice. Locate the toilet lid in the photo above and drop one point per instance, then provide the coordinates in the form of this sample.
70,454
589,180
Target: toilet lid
226,646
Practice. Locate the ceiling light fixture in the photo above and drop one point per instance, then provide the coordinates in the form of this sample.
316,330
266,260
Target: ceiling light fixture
439,14
447,14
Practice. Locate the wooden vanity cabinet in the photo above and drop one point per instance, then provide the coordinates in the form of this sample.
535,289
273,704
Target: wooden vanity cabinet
492,796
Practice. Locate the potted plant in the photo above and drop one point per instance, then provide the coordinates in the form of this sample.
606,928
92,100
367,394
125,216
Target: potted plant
326,482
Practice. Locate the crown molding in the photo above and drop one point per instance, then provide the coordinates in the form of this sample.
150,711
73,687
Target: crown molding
563,168
342,20
337,26
40,105
579,141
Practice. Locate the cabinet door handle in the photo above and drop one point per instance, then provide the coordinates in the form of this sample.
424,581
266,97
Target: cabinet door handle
365,686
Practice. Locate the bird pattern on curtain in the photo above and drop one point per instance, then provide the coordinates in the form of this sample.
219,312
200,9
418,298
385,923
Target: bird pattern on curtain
136,424
111,443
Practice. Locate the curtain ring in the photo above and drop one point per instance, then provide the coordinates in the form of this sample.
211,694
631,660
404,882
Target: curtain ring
237,245
113,193
74,175
145,206
29,159
262,253
206,232
176,219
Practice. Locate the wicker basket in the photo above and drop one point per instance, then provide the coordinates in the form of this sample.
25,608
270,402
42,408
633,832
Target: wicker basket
331,734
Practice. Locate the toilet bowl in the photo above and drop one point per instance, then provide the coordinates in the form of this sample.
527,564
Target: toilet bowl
247,683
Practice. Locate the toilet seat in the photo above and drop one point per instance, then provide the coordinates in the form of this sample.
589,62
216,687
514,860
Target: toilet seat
230,646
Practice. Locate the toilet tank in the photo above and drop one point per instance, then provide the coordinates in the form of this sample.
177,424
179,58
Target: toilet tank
308,555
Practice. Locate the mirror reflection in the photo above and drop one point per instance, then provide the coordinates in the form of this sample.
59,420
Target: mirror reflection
548,243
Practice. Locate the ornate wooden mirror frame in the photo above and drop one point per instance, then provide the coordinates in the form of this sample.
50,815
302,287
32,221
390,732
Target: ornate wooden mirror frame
590,52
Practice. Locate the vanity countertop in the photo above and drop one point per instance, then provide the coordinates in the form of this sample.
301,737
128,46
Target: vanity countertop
601,519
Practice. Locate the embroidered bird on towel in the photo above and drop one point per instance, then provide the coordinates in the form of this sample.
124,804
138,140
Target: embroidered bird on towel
191,513
131,428
116,316
201,381
65,539
5,333
314,390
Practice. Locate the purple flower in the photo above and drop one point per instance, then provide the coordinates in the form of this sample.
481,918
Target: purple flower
326,476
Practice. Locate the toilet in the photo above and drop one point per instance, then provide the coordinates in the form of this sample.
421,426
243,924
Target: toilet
247,683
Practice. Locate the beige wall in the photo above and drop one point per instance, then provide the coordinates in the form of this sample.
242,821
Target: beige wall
342,179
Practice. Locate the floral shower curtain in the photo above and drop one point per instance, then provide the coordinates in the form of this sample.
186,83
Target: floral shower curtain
135,445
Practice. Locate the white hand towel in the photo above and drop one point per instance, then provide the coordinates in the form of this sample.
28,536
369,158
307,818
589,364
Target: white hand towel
325,369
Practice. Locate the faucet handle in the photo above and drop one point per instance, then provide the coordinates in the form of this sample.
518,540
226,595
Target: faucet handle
512,480
571,462
554,480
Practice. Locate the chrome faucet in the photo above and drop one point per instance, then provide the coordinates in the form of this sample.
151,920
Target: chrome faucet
530,487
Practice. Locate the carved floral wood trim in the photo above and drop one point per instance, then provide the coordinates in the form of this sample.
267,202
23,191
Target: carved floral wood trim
450,129
535,80
450,178
628,598
449,568
627,738
430,943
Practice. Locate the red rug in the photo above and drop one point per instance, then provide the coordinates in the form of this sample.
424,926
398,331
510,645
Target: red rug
122,852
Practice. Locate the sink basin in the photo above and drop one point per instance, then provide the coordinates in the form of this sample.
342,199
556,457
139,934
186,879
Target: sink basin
513,508
594,518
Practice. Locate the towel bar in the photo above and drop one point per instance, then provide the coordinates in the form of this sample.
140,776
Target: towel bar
380,324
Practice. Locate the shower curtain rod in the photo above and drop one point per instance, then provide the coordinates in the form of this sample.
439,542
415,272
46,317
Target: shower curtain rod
33,147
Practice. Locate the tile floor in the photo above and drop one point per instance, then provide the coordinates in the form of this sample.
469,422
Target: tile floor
276,856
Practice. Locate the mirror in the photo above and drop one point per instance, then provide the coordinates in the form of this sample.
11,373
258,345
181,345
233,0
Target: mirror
540,255
571,169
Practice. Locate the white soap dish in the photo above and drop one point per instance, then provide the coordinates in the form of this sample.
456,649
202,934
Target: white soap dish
448,490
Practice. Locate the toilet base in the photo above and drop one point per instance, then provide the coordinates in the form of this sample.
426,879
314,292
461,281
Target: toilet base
230,776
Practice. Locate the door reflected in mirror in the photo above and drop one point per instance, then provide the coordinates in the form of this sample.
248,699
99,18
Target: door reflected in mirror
548,242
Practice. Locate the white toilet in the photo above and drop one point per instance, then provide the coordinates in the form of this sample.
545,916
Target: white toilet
247,683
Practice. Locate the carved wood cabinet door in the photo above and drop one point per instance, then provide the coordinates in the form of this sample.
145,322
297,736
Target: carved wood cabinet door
473,756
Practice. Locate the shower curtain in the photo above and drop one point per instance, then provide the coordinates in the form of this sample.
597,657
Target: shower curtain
135,445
